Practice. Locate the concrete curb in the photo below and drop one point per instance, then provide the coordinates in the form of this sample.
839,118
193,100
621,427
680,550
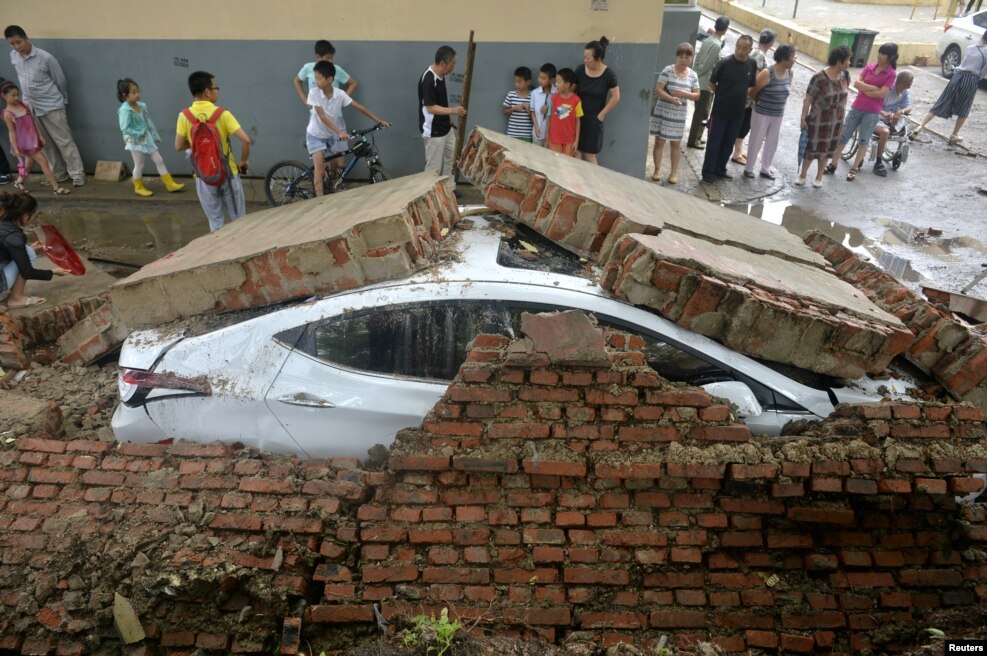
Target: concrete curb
811,44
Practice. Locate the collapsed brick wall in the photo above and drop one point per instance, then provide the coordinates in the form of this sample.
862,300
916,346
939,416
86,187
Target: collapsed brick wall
547,499
25,331
212,546
954,353
560,485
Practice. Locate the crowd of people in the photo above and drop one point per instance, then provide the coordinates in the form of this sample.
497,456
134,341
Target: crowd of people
746,94
567,110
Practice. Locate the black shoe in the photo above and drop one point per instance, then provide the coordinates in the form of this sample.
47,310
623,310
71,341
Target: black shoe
767,174
6,179
749,174
880,169
724,176
698,146
709,180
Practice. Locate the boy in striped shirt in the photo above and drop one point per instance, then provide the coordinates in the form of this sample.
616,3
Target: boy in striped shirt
517,106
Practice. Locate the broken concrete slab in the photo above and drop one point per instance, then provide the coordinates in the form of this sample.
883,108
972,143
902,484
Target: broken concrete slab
338,242
951,351
787,312
747,283
25,416
588,208
126,621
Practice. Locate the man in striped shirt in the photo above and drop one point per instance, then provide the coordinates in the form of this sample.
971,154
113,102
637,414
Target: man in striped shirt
434,122
43,87
517,106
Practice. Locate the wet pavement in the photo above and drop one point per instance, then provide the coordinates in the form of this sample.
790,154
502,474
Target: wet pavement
888,218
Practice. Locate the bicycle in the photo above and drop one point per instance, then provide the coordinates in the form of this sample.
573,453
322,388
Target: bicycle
289,181
895,150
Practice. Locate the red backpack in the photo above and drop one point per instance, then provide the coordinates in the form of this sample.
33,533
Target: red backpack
208,160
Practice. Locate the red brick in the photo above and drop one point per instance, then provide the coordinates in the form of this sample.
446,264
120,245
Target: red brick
340,614
555,468
593,576
797,643
678,619
381,574
212,641
610,620
428,536
36,444
262,485
822,516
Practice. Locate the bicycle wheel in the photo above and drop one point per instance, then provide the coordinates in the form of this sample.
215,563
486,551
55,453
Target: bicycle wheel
377,174
851,148
288,182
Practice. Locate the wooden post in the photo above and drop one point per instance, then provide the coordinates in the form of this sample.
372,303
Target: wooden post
467,83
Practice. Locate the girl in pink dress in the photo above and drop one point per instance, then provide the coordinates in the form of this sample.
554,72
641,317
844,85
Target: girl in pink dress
25,139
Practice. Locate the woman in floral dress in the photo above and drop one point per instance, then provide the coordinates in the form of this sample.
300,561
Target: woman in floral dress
677,85
823,111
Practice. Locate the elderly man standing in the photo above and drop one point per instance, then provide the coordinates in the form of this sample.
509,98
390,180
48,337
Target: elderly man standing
703,65
730,82
43,88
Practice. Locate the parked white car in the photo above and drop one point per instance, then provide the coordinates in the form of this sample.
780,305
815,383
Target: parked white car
959,34
337,375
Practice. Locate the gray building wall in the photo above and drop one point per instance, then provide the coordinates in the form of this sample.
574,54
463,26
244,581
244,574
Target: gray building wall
256,85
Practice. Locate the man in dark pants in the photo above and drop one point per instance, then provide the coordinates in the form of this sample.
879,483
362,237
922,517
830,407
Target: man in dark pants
5,175
730,82
705,62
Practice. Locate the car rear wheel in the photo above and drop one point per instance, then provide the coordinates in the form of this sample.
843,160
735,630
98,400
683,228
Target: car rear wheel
950,60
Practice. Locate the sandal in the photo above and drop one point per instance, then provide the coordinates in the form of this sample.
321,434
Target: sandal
851,174
739,159
28,301
656,177
61,191
20,186
830,169
955,139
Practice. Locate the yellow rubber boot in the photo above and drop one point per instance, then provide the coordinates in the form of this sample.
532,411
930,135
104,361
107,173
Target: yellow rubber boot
140,189
170,184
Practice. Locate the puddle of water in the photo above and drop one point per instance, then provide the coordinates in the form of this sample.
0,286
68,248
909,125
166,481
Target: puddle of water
905,251
114,233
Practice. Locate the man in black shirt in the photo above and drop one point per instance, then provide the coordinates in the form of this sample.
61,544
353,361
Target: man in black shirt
434,122
730,82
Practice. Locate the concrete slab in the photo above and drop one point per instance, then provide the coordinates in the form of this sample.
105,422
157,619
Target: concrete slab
747,283
588,207
338,242
786,311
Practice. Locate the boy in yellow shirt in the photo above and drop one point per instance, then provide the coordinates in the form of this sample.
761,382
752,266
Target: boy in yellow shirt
205,91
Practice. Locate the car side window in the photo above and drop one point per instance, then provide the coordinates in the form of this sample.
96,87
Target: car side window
980,20
426,340
429,340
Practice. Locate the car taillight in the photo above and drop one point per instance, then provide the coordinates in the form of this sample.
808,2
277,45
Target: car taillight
132,381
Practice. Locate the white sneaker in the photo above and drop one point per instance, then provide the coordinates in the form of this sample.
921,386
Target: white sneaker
800,182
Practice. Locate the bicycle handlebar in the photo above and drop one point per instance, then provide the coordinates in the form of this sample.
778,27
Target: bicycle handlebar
360,133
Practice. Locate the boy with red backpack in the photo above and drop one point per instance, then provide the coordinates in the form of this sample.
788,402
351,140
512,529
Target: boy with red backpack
205,130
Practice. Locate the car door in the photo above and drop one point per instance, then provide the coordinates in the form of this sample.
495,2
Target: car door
353,380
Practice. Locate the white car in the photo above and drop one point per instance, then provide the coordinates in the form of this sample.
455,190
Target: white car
337,375
959,34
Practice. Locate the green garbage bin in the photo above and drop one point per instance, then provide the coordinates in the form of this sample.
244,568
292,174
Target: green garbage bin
842,36
862,45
